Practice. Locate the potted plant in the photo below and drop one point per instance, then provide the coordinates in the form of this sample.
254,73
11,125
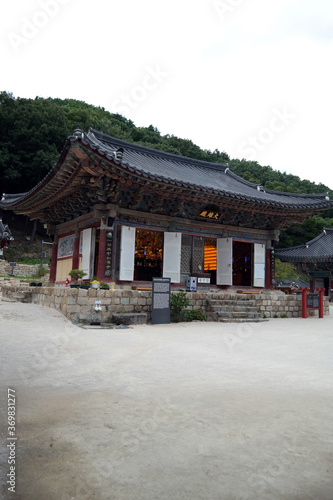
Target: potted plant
104,286
76,274
95,284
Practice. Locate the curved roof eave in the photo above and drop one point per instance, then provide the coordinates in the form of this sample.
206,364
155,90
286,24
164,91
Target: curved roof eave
184,172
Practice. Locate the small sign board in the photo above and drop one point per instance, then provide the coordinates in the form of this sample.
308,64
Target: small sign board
161,290
312,301
12,264
204,280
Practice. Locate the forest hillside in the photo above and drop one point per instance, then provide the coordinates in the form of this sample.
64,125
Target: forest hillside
33,133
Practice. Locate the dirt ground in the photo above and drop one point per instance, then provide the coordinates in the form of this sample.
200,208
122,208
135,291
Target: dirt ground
168,412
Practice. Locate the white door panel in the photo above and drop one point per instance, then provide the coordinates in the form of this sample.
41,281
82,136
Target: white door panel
171,256
224,261
127,249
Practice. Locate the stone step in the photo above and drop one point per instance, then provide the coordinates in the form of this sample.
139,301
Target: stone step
233,297
229,302
241,320
130,318
234,308
231,314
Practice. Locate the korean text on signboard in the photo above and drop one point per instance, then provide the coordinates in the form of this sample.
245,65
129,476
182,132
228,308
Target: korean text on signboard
161,301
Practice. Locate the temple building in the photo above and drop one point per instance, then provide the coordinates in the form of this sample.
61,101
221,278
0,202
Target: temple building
127,213
314,258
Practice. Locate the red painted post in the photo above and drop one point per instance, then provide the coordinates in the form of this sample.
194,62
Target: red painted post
321,302
76,253
304,305
53,269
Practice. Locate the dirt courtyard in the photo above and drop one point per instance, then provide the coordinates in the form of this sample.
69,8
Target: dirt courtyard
191,411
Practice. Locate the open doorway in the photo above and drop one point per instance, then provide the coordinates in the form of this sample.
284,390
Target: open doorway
148,255
242,263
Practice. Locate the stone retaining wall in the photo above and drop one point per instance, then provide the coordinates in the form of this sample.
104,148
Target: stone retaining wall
78,304
20,269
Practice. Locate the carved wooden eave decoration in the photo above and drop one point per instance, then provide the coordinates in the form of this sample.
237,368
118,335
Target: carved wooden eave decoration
97,169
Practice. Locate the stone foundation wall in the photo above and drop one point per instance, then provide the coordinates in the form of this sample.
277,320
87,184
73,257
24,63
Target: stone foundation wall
277,304
20,269
78,304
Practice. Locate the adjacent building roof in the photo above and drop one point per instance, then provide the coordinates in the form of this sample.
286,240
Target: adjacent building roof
317,250
96,168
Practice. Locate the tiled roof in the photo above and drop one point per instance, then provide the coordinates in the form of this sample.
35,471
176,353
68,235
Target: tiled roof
318,249
170,169
195,174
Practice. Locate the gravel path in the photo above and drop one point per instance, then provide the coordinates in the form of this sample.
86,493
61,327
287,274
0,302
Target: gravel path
168,412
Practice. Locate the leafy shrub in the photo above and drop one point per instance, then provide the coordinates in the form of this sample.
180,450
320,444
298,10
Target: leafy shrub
179,302
104,286
77,274
41,271
195,315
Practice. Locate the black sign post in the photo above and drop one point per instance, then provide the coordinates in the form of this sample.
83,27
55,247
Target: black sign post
312,301
161,289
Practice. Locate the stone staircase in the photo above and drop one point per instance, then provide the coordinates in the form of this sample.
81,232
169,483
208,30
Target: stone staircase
3,266
234,308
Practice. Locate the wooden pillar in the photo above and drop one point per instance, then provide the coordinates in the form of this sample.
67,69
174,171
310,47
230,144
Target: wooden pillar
268,273
76,252
53,269
101,255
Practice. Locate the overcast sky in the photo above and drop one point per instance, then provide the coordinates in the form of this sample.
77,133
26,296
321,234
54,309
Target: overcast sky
253,78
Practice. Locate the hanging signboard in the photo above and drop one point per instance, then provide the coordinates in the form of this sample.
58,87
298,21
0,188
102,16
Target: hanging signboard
312,301
108,254
161,290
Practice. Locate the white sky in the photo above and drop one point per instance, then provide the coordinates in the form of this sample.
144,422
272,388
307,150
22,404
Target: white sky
253,78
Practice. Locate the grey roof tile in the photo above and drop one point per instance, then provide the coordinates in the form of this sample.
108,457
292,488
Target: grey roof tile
319,248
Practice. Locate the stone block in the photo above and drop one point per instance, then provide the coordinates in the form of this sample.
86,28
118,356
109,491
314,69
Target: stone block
124,300
128,308
83,301
71,301
131,318
73,309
